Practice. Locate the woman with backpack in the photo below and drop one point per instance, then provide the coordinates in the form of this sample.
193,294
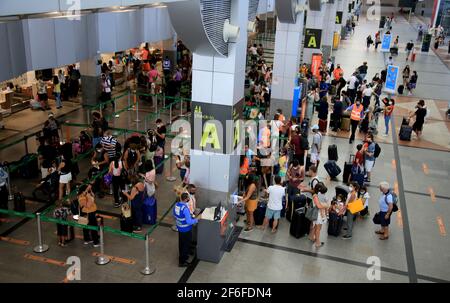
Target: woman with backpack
118,182
131,159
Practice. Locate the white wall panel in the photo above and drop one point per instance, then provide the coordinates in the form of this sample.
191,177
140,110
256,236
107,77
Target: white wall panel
5,55
20,7
16,45
65,42
41,34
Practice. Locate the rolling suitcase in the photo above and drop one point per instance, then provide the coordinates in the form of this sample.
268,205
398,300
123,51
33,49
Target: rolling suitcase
332,152
405,121
334,224
149,211
19,202
345,124
260,213
332,169
297,201
348,169
323,125
159,164
126,224
308,162
341,190
299,224
405,133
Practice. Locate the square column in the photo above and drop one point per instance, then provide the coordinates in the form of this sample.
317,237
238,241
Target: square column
288,41
313,34
218,96
90,79
329,27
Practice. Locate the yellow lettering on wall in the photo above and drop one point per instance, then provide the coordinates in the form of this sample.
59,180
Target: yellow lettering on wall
210,136
312,42
236,133
337,20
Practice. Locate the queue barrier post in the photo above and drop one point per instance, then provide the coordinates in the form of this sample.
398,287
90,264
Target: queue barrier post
25,141
129,99
136,102
40,248
170,113
10,195
148,270
181,108
102,259
171,178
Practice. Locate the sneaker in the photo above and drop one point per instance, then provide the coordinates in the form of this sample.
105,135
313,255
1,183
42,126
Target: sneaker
88,242
137,230
346,237
385,135
116,205
96,245
185,264
248,229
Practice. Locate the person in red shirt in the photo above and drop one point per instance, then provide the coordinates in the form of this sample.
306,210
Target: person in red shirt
338,72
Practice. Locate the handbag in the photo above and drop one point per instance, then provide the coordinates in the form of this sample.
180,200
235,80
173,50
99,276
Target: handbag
312,213
376,219
82,220
107,179
126,210
150,189
356,206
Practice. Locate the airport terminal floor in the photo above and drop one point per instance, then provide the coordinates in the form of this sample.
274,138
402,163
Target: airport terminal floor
416,250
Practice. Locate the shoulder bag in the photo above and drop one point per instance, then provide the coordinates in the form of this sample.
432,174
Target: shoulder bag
312,213
126,210
356,206
82,220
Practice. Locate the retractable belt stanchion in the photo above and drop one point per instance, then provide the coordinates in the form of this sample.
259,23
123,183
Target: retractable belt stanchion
147,270
136,102
25,141
41,247
170,113
171,178
10,195
102,259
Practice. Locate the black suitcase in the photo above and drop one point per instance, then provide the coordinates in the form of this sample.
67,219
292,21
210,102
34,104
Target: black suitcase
348,169
405,133
334,224
332,169
159,164
29,168
341,190
19,202
260,213
308,162
126,224
297,201
405,121
332,152
299,225
400,89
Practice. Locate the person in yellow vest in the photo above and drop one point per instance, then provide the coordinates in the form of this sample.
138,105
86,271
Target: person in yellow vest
357,114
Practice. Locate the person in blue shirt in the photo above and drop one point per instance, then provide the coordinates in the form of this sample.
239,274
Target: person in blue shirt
386,205
184,222
369,155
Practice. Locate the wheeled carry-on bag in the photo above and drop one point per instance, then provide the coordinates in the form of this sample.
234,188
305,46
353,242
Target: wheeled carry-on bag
297,201
149,210
334,224
299,225
260,213
348,169
405,133
332,152
332,169
126,224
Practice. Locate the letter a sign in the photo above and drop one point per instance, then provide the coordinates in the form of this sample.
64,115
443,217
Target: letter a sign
313,38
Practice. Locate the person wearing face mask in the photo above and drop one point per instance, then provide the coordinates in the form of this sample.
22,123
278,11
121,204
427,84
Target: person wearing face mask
320,202
388,109
364,195
356,115
352,196
369,155
99,161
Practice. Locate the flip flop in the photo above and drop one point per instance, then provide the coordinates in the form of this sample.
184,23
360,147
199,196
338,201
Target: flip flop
379,232
384,238
321,244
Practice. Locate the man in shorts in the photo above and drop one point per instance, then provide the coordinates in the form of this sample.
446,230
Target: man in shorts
316,145
276,193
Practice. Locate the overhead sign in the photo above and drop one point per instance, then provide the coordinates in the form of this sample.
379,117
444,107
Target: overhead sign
313,38
338,18
296,100
391,78
386,43
316,63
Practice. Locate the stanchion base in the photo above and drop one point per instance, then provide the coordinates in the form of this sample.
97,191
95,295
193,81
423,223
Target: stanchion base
171,179
40,248
117,116
102,260
148,271
10,197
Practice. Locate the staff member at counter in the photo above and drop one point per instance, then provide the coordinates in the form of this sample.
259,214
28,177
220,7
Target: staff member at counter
185,222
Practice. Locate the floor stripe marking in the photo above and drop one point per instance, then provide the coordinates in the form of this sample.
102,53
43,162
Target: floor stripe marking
432,194
8,220
426,171
15,241
399,219
117,259
45,260
107,217
441,225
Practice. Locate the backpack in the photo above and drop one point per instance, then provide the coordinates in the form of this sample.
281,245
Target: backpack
304,144
394,200
377,150
153,143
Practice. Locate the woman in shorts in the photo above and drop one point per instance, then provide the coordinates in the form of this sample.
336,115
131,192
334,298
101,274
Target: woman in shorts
251,201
